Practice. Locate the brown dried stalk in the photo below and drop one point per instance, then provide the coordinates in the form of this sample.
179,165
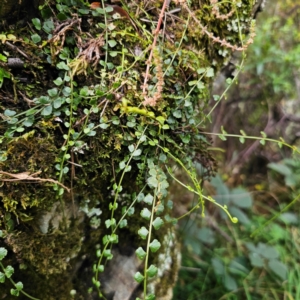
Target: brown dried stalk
29,177
220,41
156,32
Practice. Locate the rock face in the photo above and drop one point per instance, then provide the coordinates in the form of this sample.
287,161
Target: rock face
95,103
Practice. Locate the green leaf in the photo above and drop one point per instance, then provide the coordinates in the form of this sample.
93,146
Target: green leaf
152,182
123,223
263,142
20,129
52,92
185,138
266,251
230,282
152,271
241,198
43,100
222,137
143,232
131,148
9,270
150,297
37,23
256,260
238,213
2,277
62,66
138,277
157,223
28,121
122,165
278,268
200,70
101,268
58,81
14,292
36,38
146,214
141,254
107,253
2,58
9,113
47,110
218,266
112,43
128,168
289,218
83,11
137,152
3,253
148,199
62,16
19,286
177,114
48,26
280,168
210,72
238,266
104,125
57,103
154,245
109,223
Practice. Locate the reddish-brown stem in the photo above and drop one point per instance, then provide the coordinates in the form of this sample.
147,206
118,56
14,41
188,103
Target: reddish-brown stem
156,32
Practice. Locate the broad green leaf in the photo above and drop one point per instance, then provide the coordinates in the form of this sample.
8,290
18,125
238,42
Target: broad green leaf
238,213
218,266
256,260
230,282
280,168
241,198
278,268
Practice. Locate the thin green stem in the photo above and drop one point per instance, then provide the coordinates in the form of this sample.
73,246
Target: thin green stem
148,242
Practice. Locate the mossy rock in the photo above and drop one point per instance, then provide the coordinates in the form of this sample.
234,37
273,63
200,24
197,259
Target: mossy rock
91,96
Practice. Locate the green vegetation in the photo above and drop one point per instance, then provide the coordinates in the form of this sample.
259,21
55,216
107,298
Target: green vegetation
257,258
